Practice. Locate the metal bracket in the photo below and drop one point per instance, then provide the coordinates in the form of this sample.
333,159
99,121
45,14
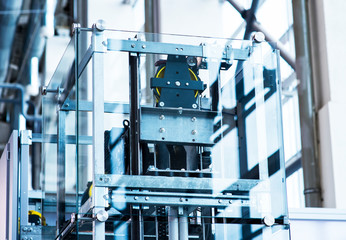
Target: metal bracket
25,137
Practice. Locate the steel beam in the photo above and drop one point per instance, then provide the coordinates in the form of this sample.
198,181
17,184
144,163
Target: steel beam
98,128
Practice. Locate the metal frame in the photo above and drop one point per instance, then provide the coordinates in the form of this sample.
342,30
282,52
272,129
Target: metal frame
98,107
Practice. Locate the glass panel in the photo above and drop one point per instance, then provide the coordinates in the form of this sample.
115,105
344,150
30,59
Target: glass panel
189,142
58,144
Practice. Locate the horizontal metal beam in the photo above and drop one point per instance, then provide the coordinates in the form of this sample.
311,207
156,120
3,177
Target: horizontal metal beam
86,106
175,183
52,138
177,199
220,52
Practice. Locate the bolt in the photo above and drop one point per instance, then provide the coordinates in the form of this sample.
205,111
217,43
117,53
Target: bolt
29,229
193,132
269,220
187,84
100,25
193,119
146,198
168,82
258,37
220,201
102,216
181,199
25,229
106,180
162,117
143,46
162,104
177,83
162,130
194,105
135,198
183,169
230,201
133,45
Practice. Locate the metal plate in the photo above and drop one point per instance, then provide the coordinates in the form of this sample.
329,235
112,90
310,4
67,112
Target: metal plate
175,125
175,183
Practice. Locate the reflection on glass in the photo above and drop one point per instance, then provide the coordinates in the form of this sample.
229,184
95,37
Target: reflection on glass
192,139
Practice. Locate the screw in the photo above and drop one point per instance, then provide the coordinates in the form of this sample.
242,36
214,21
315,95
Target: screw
193,119
194,105
177,83
133,45
146,198
193,132
162,117
162,104
162,130
143,46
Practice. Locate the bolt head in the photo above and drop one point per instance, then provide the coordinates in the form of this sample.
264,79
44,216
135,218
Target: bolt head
143,46
193,119
269,220
100,25
161,104
102,216
177,83
146,198
194,105
162,130
258,37
162,117
133,45
194,132
135,198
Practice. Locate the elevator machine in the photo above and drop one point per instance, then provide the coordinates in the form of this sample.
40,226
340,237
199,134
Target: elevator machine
156,136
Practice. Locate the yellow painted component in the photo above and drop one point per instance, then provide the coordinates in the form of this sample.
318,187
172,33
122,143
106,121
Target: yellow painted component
91,190
43,219
161,74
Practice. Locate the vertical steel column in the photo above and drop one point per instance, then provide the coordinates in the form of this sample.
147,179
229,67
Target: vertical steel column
98,127
135,163
310,162
61,162
183,226
173,224
25,142
152,25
